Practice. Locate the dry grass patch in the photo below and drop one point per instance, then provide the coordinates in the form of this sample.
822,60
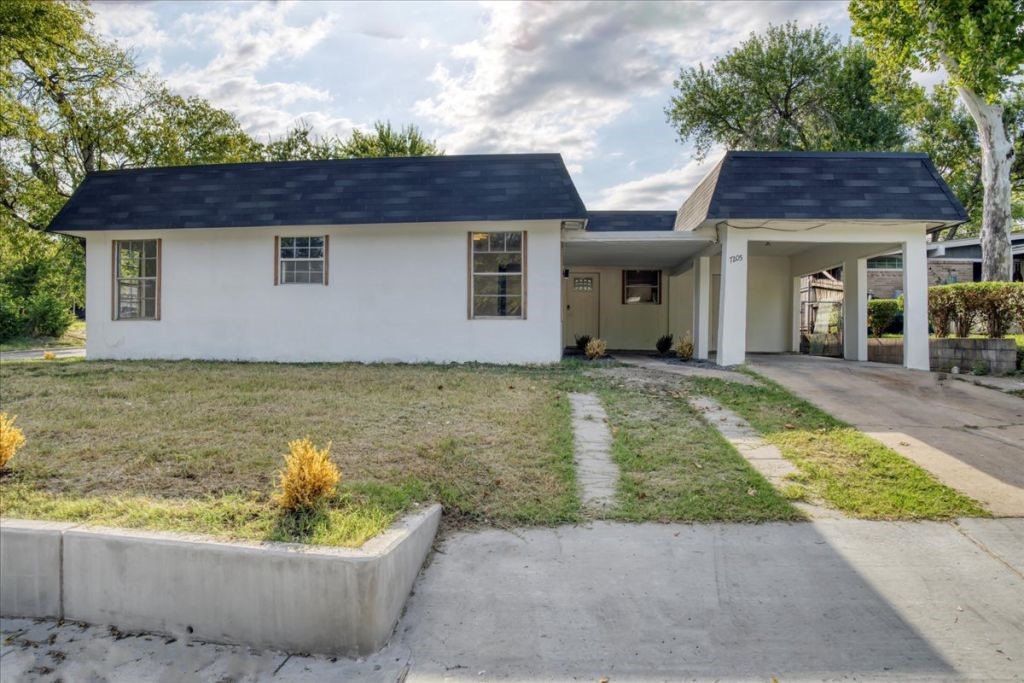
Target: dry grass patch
492,444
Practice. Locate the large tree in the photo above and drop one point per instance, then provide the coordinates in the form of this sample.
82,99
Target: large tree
790,88
980,45
942,127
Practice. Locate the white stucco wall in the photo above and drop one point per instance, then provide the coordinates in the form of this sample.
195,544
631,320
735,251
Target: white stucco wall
769,303
395,293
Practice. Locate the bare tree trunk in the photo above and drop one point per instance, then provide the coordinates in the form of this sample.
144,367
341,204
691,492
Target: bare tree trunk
996,160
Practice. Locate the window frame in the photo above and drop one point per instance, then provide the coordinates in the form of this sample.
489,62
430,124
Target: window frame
116,278
888,261
279,261
471,273
657,287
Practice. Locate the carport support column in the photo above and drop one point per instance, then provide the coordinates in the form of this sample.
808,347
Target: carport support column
916,354
795,314
855,309
701,307
732,299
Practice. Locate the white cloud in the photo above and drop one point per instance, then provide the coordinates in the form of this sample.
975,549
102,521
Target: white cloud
551,76
247,42
132,25
665,190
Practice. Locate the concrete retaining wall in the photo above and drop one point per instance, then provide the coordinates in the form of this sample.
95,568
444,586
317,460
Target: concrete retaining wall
284,596
30,568
998,356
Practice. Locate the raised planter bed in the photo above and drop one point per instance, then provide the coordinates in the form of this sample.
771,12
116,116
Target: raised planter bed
290,597
996,356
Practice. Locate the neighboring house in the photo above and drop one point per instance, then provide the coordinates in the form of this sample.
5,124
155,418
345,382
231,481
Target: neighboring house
487,258
948,262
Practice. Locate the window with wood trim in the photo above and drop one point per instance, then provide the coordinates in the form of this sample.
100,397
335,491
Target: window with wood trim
641,286
301,260
497,280
136,279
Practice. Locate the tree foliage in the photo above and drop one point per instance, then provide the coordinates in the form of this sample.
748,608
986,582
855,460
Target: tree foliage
980,46
387,141
979,43
72,103
790,88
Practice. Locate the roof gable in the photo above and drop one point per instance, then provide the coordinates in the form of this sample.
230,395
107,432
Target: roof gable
331,192
822,185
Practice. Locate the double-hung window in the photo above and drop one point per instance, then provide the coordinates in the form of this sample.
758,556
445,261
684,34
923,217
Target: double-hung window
641,286
497,275
302,260
136,279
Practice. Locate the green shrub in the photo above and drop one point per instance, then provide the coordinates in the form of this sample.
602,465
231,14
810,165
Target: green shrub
881,313
46,315
941,308
995,304
1015,302
582,341
664,344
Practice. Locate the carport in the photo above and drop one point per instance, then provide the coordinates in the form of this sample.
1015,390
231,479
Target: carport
731,258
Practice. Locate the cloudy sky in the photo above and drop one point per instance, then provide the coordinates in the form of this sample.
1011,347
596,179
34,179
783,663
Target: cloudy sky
590,81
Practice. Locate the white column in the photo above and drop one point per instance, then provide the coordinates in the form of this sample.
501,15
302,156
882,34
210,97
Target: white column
732,299
915,304
701,306
855,309
794,333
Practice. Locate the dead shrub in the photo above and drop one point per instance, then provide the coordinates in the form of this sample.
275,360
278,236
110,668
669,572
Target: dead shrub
684,349
308,478
11,439
596,348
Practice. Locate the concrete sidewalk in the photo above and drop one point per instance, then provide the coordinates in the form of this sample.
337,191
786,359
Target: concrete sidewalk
805,601
970,437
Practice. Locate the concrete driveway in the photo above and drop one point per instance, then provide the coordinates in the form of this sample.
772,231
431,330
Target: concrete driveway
832,599
969,437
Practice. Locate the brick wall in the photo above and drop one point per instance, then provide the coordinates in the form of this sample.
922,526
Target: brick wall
888,283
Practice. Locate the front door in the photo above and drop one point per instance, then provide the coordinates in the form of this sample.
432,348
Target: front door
581,306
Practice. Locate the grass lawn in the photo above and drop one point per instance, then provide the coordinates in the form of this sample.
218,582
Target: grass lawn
74,337
839,464
675,467
195,446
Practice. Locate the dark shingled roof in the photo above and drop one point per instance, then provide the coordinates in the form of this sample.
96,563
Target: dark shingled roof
822,185
630,221
335,192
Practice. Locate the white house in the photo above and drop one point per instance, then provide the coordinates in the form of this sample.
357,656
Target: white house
488,258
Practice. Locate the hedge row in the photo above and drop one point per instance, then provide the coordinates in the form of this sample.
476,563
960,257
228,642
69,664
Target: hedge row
961,306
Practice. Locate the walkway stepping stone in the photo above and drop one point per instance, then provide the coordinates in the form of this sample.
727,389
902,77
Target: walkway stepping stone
763,456
597,474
